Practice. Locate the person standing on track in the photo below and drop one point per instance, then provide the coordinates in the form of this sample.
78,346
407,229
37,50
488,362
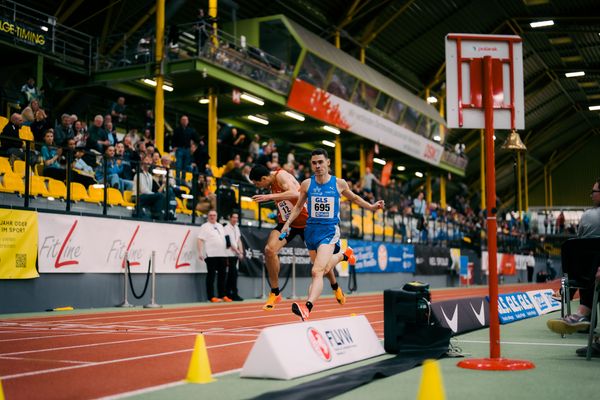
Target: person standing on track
284,192
322,193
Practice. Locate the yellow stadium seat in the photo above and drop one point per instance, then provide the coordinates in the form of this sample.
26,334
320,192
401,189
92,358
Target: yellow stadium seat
182,208
250,205
3,122
5,167
38,187
25,133
128,198
12,183
57,189
19,168
38,169
96,195
114,197
189,176
78,192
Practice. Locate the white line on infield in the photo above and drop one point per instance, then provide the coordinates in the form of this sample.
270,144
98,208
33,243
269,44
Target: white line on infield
525,343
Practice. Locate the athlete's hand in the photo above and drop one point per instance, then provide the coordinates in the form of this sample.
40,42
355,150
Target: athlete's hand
379,205
260,198
284,233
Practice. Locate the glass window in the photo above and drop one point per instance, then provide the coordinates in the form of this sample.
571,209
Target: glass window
341,84
424,126
396,110
314,70
382,101
365,96
410,119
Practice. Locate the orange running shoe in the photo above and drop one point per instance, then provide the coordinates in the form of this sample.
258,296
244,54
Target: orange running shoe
300,310
350,254
271,301
215,300
340,296
227,299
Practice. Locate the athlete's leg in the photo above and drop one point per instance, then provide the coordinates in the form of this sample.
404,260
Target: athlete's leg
274,245
324,254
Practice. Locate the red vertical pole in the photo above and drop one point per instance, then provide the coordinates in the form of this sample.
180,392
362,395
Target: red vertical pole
490,195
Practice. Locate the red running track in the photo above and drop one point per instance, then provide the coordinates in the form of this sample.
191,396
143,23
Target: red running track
92,355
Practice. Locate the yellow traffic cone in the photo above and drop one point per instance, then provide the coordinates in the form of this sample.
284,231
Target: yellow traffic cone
1,391
199,369
432,387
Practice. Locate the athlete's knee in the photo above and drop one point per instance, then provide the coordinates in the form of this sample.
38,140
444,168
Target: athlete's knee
270,251
317,272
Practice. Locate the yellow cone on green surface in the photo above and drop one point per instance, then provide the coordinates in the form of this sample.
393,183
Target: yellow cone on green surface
199,369
432,387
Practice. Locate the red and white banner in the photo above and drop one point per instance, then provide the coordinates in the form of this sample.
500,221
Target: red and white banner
507,264
74,244
333,110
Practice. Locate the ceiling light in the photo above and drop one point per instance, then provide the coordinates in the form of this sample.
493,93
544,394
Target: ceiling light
539,24
252,99
401,168
152,82
437,138
328,143
204,100
331,129
575,74
419,174
168,88
295,115
594,108
258,119
379,161
572,59
44,28
432,100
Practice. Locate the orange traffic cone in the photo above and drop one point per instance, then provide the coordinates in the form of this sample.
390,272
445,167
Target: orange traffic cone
199,369
432,387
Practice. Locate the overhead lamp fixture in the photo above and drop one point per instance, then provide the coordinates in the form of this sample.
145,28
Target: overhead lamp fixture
152,82
328,143
379,161
575,74
594,108
432,100
539,24
252,99
437,138
203,100
401,168
419,174
44,28
331,129
294,115
258,119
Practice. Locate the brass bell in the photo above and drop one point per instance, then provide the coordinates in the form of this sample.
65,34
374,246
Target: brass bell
514,143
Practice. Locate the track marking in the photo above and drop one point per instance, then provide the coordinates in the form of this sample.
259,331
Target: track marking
45,360
525,343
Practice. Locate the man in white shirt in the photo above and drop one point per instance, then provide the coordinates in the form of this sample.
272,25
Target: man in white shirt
148,198
212,249
234,252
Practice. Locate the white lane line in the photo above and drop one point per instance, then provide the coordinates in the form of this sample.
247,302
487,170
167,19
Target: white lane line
45,360
525,343
119,360
79,346
161,387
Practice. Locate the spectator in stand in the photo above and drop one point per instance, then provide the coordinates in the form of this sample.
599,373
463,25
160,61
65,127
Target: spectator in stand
212,249
199,156
51,155
182,137
207,200
530,263
420,210
235,253
63,131
589,227
12,148
368,179
156,158
40,125
560,223
234,170
125,157
133,137
111,133
148,137
254,147
28,112
82,172
147,196
230,144
98,138
117,112
149,121
30,92
266,158
114,169
80,135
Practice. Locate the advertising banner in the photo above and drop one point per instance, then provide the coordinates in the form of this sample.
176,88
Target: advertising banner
432,260
462,315
383,257
543,302
515,306
74,244
333,110
18,244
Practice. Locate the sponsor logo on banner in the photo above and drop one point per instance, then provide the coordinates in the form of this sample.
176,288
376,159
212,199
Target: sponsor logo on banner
453,321
18,244
480,315
542,301
318,344
334,110
514,307
462,315
383,257
432,260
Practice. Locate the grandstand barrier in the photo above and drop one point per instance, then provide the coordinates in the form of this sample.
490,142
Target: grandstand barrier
317,346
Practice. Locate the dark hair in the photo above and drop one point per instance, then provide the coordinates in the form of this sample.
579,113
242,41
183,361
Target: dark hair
258,172
320,152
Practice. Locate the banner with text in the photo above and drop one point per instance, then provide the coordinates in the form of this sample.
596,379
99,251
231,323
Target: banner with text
18,244
383,257
506,264
432,260
86,244
334,110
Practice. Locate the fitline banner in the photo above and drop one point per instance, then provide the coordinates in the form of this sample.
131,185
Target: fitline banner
331,109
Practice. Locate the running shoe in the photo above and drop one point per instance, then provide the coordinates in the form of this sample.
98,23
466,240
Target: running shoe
340,296
215,300
227,299
271,301
350,254
300,310
569,324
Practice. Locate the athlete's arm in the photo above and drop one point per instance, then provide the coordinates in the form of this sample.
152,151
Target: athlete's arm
356,199
290,187
302,196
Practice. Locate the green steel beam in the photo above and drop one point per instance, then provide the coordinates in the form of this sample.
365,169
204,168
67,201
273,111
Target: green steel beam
451,168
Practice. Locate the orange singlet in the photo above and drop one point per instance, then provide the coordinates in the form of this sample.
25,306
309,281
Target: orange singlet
284,207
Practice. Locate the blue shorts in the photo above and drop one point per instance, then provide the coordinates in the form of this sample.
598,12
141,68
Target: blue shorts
316,235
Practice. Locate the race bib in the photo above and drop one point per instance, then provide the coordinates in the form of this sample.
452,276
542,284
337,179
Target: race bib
321,207
285,209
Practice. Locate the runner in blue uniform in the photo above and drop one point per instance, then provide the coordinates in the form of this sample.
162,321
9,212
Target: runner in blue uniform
322,193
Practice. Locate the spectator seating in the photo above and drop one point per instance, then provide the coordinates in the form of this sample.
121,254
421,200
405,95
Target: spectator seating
57,189
79,192
12,183
5,166
3,122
